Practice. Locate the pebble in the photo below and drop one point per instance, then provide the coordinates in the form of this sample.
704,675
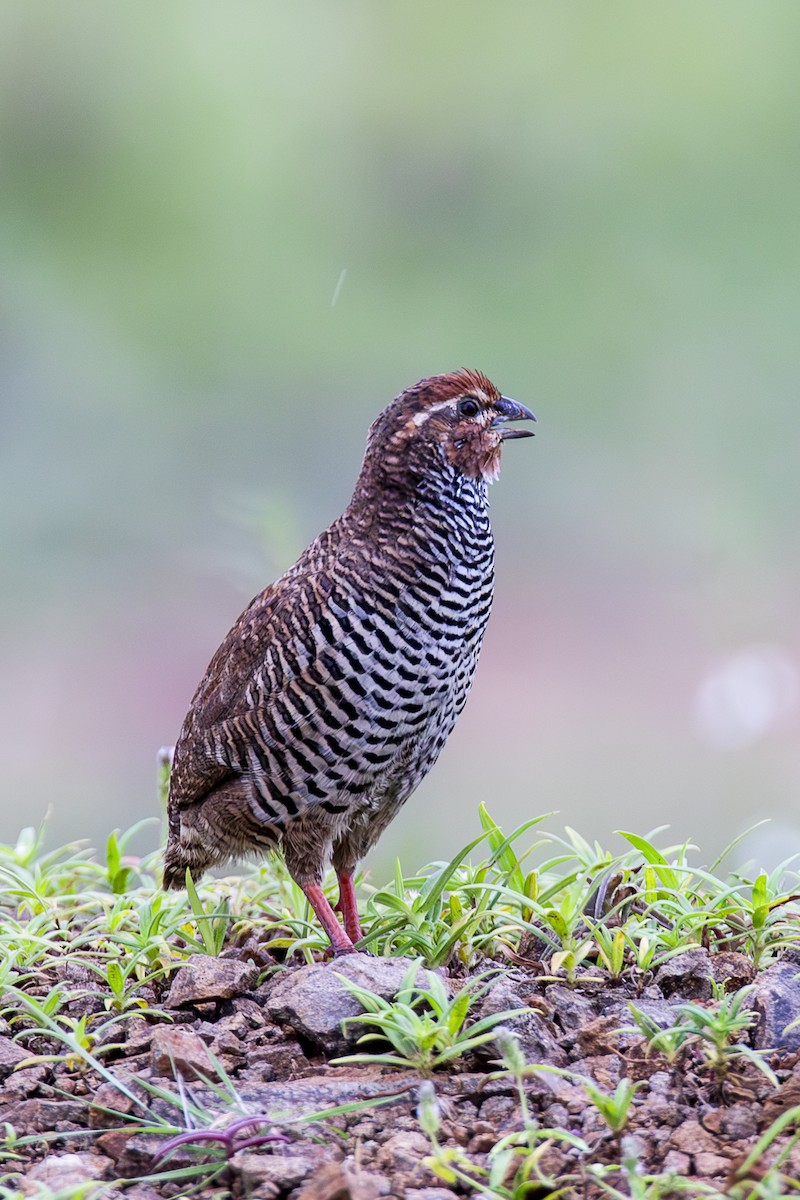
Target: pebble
203,978
691,974
404,1151
177,1051
59,1172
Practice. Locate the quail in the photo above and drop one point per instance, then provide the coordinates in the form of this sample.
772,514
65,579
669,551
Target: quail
335,691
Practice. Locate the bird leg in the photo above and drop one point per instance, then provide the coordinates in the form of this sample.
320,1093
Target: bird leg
348,906
340,940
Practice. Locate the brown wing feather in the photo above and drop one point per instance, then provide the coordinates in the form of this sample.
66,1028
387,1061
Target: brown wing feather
220,696
269,651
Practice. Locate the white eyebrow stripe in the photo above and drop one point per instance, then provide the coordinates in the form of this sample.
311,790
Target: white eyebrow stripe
421,417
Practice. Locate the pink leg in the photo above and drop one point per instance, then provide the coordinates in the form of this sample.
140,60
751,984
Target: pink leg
348,907
327,918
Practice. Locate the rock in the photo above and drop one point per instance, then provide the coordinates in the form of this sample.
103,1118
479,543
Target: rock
334,1182
234,1025
142,1191
11,1053
177,1051
733,969
776,1000
43,1116
20,1084
660,1084
786,1096
265,1062
276,1172
711,1166
228,1044
404,1152
536,1038
632,1146
114,1143
689,975
484,1137
740,1121
251,1010
606,1035
110,1105
204,978
58,1172
660,1012
604,1069
313,1000
661,1113
571,1009
676,1163
138,1037
691,1138
499,1110
555,1116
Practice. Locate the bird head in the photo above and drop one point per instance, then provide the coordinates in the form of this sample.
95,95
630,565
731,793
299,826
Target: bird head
460,416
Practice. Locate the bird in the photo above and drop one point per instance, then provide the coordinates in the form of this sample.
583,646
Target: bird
333,694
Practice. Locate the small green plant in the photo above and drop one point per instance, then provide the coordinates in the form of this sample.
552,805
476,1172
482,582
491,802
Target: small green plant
212,924
611,949
667,1040
424,1025
614,1107
761,913
119,872
567,923
714,1031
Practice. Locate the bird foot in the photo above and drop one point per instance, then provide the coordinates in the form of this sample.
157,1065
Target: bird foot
340,951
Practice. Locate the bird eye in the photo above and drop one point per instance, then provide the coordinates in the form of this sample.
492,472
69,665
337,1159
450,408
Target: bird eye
468,408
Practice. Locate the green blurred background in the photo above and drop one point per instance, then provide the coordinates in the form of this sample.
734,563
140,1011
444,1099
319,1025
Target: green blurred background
230,233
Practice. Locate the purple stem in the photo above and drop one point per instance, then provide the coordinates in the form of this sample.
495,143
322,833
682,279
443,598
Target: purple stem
227,1137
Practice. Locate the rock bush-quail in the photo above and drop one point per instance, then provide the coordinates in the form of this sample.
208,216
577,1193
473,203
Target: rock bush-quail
332,696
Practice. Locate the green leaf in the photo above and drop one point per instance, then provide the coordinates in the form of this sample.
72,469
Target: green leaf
662,868
556,922
115,978
211,928
399,881
502,847
458,1011
118,882
113,857
433,889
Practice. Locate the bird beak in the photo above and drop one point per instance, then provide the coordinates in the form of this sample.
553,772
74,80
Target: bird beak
510,410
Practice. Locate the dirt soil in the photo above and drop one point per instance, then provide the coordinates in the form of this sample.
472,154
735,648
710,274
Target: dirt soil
275,1040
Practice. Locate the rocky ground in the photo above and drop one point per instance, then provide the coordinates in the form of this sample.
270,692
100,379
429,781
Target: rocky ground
266,1049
